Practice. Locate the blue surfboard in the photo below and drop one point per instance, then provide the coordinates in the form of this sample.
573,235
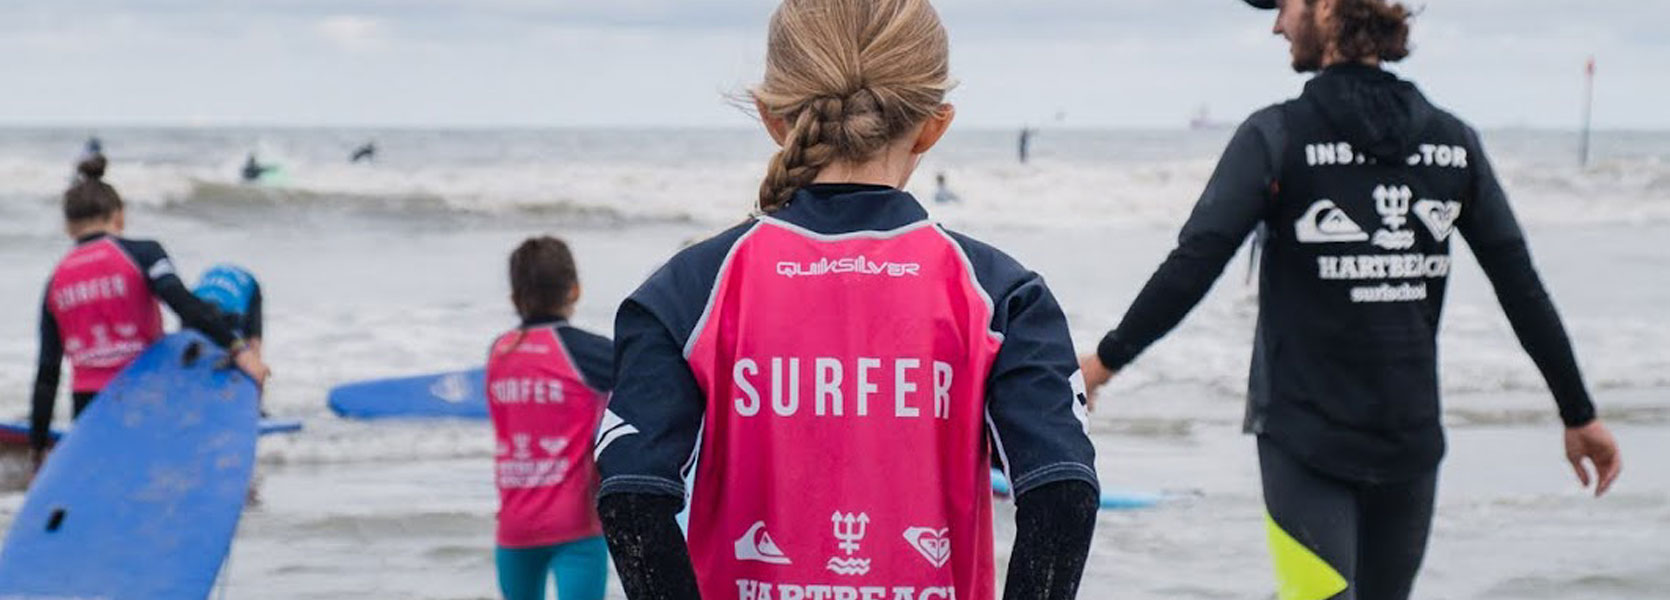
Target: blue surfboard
17,432
143,499
1111,500
456,394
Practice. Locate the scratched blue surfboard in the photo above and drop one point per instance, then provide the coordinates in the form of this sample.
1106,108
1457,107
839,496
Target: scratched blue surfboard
16,433
141,501
455,394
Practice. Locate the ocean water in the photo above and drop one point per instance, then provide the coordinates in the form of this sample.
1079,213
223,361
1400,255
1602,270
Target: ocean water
397,268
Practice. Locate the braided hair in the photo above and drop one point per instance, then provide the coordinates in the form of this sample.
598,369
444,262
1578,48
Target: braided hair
849,77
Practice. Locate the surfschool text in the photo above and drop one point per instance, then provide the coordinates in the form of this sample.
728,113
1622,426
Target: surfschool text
759,590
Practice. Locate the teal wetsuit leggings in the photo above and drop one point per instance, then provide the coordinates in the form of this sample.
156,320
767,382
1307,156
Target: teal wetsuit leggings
581,568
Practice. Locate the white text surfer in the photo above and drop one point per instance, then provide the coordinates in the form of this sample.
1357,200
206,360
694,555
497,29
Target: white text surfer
912,379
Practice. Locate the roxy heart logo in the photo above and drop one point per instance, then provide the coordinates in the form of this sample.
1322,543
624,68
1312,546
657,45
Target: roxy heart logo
1438,216
553,445
932,543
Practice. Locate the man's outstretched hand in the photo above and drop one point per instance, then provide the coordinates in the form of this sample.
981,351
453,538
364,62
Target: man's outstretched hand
1595,444
1095,376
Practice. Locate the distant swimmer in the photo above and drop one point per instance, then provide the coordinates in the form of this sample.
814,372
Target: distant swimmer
253,169
829,382
942,192
1024,148
91,164
100,309
1375,185
94,147
547,385
366,153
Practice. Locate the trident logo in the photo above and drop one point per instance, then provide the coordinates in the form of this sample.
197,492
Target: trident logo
1393,204
850,529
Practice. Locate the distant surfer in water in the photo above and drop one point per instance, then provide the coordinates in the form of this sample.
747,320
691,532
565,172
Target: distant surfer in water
100,309
942,192
836,374
91,163
1362,184
253,169
364,153
1023,147
547,384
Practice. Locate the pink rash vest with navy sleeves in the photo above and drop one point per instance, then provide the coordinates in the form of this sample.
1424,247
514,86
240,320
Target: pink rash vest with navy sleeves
835,379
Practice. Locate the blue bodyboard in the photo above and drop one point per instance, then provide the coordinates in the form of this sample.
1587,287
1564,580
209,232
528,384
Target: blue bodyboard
457,394
1111,500
143,499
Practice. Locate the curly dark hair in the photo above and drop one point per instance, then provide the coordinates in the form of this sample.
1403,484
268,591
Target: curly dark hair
1370,29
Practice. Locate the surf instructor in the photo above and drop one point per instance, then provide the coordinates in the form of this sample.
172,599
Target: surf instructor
1362,183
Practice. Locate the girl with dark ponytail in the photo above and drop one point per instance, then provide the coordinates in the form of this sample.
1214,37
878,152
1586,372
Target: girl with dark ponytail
547,384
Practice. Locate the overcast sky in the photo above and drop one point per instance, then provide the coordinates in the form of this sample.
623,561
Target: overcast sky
1129,63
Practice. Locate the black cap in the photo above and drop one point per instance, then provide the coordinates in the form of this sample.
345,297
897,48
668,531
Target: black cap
1264,4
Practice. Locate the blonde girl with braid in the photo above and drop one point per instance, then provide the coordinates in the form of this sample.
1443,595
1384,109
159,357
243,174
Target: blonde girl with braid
837,374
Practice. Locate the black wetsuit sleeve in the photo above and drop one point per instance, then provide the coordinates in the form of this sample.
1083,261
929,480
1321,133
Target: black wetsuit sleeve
1499,244
594,356
47,372
644,443
1053,527
253,321
165,284
1235,200
649,550
648,437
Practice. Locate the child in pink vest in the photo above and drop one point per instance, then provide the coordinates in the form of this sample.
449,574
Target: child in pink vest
547,385
101,309
836,375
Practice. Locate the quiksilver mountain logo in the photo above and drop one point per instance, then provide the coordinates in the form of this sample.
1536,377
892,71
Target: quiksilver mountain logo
757,545
1325,223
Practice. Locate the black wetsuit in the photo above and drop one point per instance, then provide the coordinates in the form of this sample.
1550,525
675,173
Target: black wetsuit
367,153
1361,183
164,283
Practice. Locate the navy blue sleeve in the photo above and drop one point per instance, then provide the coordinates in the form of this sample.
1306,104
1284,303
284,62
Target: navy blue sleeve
47,372
649,435
253,320
1035,393
1499,244
594,356
1235,200
165,283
